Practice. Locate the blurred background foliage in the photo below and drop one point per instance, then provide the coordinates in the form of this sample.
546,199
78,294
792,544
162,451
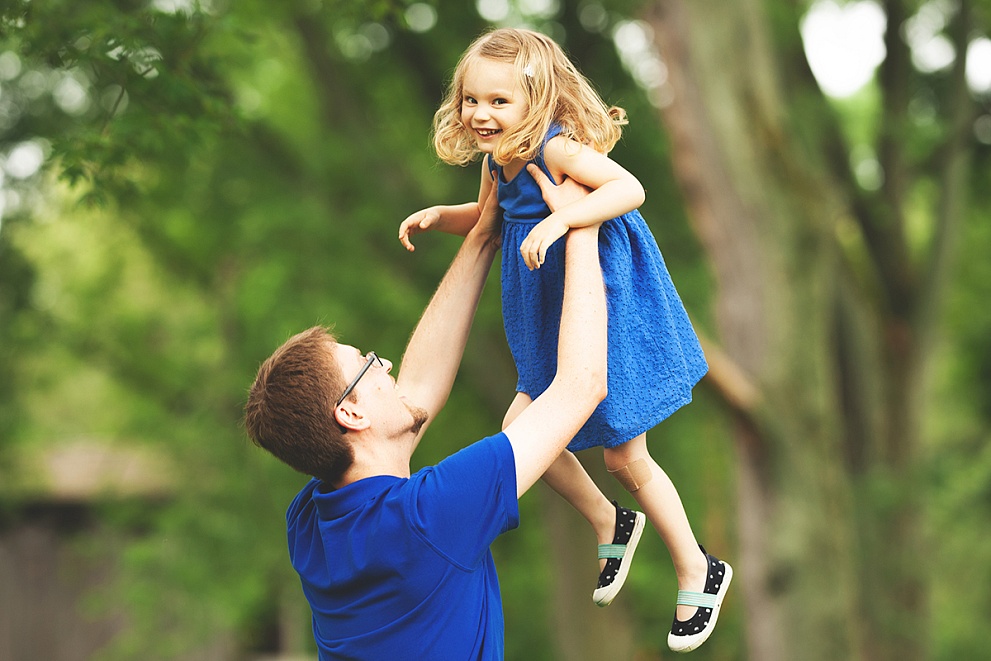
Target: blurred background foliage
185,184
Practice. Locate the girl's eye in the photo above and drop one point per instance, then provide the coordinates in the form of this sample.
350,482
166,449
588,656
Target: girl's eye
469,100
500,102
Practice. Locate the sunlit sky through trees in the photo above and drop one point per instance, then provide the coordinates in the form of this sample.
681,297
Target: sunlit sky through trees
844,44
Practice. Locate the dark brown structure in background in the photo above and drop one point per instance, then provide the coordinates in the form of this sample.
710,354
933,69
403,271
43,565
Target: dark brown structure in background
55,551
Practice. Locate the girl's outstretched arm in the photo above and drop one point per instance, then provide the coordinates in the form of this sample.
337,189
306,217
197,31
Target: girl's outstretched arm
452,219
614,192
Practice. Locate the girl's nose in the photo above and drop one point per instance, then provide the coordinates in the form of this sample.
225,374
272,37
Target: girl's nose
387,364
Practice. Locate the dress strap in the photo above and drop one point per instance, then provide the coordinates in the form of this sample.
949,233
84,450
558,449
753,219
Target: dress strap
553,131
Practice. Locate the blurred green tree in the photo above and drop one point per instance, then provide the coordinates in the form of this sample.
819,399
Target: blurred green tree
232,173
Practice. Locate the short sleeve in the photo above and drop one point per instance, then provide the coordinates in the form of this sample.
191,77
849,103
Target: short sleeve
463,503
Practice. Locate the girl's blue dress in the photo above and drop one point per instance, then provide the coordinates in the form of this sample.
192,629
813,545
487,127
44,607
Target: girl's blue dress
654,355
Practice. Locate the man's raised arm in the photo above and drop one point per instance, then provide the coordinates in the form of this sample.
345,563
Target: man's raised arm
543,430
434,351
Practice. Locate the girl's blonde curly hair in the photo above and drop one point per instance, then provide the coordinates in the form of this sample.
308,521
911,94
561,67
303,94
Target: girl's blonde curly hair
555,91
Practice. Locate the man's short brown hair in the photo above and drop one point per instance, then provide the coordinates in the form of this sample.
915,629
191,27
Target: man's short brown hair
290,408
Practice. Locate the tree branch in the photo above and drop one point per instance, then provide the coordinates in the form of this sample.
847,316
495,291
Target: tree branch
728,379
883,224
953,160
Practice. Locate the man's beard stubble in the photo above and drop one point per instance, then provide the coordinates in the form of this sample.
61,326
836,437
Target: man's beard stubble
419,415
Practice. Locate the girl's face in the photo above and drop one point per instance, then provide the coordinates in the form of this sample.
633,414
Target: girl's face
492,101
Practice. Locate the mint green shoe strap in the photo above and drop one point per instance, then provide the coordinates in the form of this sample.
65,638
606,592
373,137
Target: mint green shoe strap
700,599
612,550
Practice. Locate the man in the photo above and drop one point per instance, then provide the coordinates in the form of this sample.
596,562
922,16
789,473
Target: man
394,565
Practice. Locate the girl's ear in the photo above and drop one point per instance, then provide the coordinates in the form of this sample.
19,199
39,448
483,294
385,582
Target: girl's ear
349,416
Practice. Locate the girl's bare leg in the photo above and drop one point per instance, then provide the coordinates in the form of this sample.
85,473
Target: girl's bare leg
660,501
570,480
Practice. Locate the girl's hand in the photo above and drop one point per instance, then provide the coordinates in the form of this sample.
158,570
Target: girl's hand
541,237
421,221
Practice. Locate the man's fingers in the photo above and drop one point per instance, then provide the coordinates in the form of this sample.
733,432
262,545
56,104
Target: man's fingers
538,176
491,198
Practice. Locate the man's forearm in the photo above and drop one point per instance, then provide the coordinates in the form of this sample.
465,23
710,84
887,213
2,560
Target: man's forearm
434,352
582,349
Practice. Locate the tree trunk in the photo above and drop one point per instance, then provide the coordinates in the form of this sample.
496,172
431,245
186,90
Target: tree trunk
828,313
766,222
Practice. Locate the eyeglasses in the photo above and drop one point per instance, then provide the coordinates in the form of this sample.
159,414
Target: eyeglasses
372,358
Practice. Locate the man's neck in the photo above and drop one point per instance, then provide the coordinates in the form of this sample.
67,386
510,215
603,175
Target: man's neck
374,457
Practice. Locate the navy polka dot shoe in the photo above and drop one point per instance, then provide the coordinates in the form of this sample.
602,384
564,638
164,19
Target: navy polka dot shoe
688,635
619,554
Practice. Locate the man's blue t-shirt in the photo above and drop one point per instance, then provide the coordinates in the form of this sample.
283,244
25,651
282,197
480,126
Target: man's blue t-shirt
398,568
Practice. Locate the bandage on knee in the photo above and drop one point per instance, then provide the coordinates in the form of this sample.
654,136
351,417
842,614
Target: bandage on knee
633,475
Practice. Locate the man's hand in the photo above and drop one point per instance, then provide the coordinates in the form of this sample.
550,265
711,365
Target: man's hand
546,232
560,195
489,225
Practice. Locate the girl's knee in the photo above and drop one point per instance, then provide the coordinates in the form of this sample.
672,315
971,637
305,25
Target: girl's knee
630,464
619,456
614,458
633,475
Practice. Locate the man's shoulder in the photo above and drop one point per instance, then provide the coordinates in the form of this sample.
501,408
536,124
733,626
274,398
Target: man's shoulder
484,451
472,473
460,505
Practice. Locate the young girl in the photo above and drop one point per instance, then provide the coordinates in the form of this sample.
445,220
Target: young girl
516,99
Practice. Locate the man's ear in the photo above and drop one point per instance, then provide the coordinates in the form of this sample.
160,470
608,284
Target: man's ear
350,416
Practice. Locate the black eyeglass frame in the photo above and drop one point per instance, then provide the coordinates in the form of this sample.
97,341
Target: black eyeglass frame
372,358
